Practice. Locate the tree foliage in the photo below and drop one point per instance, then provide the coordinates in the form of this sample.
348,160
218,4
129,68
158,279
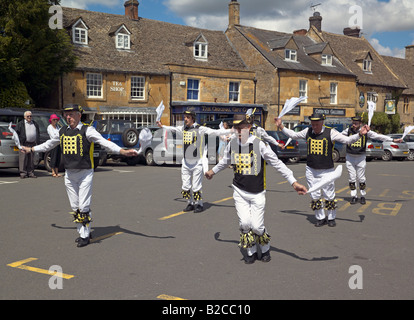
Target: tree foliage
31,54
384,123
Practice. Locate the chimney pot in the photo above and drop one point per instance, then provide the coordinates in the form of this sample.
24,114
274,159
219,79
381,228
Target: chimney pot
131,9
352,32
316,21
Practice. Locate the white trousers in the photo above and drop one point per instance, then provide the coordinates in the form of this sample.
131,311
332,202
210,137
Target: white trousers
356,164
192,178
328,192
78,184
250,209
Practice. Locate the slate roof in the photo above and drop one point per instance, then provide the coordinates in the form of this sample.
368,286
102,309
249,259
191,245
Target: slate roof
404,70
351,49
266,40
153,45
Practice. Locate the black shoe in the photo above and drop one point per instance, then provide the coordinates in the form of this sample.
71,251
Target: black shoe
331,223
320,223
189,207
363,200
83,242
198,208
250,259
79,238
354,200
265,256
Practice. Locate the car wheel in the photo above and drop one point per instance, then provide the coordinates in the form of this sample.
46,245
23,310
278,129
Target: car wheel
387,155
149,158
132,161
130,137
411,155
335,155
294,160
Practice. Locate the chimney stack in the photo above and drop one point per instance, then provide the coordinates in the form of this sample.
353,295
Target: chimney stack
234,13
352,32
409,54
131,9
316,21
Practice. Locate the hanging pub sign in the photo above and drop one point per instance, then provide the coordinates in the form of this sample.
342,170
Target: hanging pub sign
389,106
361,99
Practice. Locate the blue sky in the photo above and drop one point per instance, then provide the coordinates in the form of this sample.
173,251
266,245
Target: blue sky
387,24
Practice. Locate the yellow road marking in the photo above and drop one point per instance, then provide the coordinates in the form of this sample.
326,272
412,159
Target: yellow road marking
20,265
105,236
183,212
167,297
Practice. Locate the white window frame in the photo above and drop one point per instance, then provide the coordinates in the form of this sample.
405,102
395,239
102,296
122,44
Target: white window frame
303,92
80,33
201,50
291,55
333,90
193,89
234,91
123,41
94,85
137,88
367,65
327,59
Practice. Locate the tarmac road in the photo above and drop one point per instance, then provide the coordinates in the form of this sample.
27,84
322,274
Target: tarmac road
146,248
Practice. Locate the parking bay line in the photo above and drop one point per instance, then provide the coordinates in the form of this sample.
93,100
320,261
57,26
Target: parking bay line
21,265
183,212
167,297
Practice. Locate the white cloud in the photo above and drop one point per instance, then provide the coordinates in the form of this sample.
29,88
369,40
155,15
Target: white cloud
83,4
387,51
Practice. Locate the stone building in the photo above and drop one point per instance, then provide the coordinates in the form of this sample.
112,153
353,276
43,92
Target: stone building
128,64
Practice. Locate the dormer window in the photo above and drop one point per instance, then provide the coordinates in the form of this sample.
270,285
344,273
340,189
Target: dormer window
327,59
201,48
122,38
80,33
367,65
291,55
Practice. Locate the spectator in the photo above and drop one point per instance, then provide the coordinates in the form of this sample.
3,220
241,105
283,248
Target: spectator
53,131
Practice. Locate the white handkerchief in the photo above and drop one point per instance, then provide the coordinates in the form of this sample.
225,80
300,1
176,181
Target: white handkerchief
15,136
288,141
160,110
145,138
371,108
290,104
407,131
327,179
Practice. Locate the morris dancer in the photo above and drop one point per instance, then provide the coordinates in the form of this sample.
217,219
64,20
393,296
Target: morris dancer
356,158
319,163
248,154
76,142
192,162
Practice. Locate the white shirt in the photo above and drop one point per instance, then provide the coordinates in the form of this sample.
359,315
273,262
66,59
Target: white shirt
267,154
52,131
30,131
335,135
91,134
371,135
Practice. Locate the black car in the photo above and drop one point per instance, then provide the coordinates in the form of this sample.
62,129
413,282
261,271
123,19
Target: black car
290,151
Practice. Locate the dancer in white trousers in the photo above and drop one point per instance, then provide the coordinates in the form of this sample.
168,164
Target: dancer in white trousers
76,142
356,158
192,162
319,163
248,154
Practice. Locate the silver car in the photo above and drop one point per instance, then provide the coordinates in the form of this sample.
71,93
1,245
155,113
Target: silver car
393,150
409,140
374,150
9,153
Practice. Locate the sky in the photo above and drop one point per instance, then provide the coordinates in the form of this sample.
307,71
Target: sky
387,24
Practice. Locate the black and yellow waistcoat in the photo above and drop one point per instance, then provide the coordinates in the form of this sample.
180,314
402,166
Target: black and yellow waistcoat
193,142
359,146
77,151
320,147
248,165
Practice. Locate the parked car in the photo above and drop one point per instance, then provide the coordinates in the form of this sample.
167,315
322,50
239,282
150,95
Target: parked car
393,150
409,140
374,150
291,150
121,132
15,115
9,153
